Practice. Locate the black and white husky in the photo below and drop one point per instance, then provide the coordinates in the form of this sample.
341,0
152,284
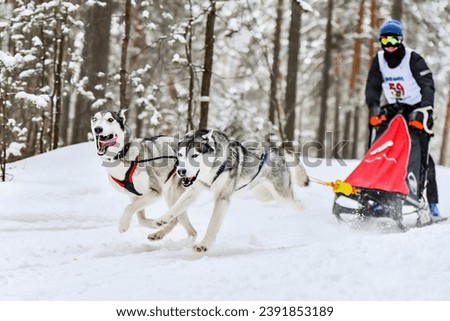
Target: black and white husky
208,159
143,169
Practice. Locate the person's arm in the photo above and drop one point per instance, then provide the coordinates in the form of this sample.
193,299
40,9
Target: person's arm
373,85
424,78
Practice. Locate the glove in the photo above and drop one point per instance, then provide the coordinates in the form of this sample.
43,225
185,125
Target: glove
421,118
375,110
416,120
376,116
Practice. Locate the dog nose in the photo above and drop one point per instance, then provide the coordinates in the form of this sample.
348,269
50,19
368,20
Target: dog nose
98,130
181,172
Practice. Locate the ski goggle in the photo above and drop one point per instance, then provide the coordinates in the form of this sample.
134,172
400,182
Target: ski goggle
390,39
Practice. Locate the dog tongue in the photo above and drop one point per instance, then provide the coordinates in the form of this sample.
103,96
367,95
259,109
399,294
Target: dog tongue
107,143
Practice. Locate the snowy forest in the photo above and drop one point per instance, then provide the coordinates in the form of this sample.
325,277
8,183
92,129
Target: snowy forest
286,70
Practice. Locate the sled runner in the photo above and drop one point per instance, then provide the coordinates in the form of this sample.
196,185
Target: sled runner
390,180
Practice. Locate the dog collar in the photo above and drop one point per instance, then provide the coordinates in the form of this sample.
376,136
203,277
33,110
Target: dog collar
127,182
123,152
221,169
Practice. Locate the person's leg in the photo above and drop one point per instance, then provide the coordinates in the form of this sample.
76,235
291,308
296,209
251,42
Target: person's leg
432,191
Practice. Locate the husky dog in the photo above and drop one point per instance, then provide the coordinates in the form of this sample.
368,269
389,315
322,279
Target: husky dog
208,159
143,169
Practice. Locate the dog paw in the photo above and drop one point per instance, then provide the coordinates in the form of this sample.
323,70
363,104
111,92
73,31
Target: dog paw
199,248
123,226
155,236
161,223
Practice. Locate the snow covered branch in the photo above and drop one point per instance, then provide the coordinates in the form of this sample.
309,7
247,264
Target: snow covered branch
9,61
40,101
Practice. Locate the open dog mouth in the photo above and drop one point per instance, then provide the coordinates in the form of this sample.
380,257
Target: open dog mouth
103,142
188,181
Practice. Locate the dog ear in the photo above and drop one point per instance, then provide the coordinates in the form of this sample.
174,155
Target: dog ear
208,136
122,113
210,140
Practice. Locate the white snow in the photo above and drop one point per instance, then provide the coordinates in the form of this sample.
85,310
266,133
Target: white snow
176,59
40,101
305,6
37,42
9,61
155,118
60,241
15,148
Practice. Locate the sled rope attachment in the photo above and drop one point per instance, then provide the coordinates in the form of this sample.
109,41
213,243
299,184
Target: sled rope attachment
338,186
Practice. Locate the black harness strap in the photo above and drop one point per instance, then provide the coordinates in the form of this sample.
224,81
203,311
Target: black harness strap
127,182
261,164
220,171
156,158
163,157
171,173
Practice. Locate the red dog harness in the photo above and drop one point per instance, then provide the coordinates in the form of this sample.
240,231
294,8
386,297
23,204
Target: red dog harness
127,182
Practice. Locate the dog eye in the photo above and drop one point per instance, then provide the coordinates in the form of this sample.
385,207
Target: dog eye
110,120
94,119
195,155
180,155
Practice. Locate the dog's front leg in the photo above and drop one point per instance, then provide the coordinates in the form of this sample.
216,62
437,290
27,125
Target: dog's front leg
147,222
220,207
137,204
163,231
180,206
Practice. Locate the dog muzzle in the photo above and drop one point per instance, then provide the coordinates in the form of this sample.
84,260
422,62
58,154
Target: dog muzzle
103,142
188,181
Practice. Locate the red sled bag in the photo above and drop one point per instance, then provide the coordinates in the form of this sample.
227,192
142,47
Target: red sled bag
385,164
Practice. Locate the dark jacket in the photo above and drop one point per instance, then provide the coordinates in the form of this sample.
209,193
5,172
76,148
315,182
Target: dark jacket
421,73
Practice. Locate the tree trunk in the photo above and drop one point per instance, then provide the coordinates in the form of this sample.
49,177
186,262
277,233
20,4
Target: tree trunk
95,61
3,136
292,67
443,160
273,99
397,9
188,49
325,82
353,89
356,117
207,66
356,50
57,87
123,60
373,27
337,97
348,119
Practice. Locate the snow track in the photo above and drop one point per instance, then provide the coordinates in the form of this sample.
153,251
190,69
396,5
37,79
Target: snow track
59,241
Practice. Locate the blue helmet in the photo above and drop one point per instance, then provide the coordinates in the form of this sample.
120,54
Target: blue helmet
391,27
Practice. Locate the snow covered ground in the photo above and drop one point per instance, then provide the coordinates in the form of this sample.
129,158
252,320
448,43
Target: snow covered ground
59,241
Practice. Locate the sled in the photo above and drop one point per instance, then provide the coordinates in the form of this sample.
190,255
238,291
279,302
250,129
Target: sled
390,182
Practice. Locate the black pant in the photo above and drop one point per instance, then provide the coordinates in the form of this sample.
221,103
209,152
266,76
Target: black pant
432,191
421,169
